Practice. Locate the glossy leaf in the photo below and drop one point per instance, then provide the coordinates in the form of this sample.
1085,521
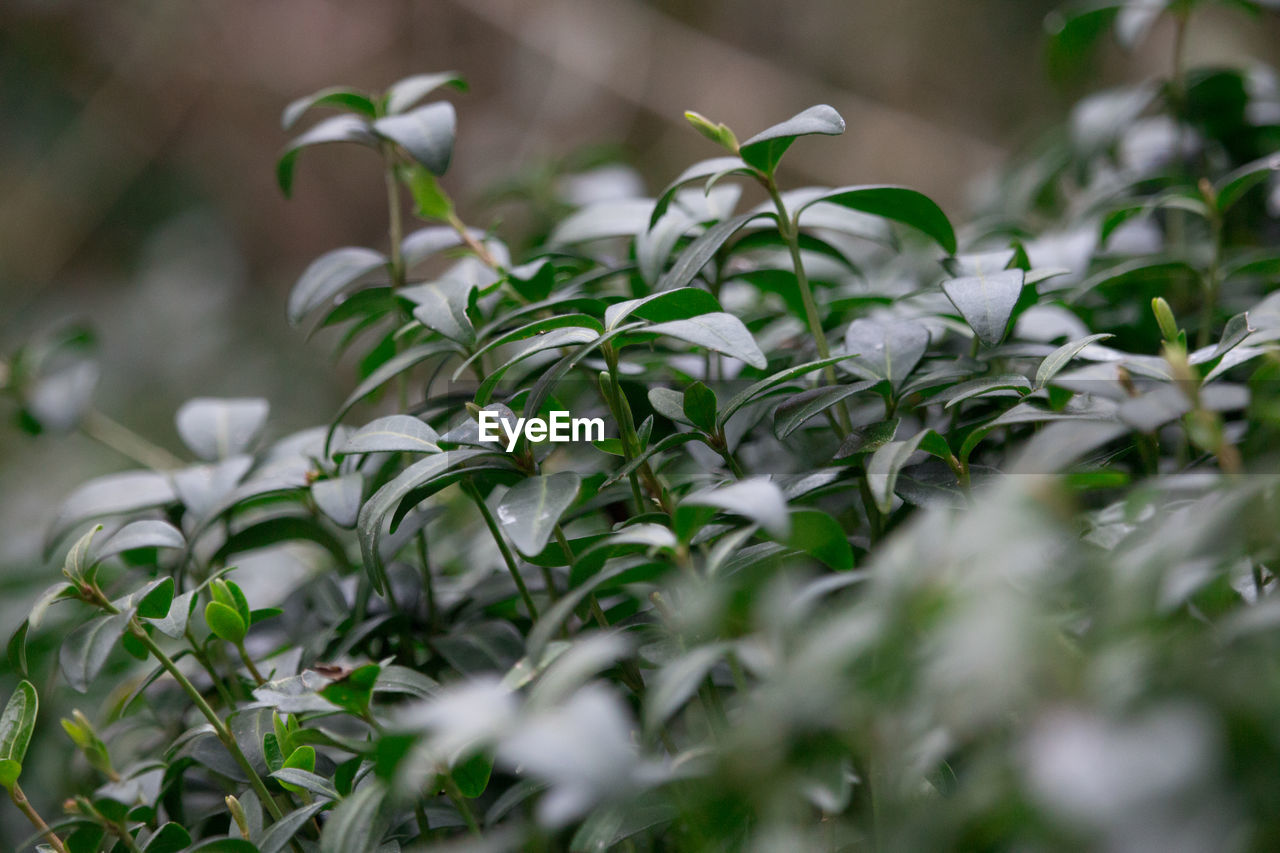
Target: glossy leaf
426,133
717,331
896,203
886,349
529,511
329,276
766,148
986,302
17,723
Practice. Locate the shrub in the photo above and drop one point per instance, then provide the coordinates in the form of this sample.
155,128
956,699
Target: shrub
900,537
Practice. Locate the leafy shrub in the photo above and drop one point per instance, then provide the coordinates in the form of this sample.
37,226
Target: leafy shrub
901,537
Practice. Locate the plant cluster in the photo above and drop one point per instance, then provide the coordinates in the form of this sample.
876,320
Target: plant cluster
902,536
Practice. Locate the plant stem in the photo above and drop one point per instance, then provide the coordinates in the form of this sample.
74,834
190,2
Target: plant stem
428,586
790,231
460,803
395,225
219,727
127,443
24,805
480,249
248,662
1211,284
507,556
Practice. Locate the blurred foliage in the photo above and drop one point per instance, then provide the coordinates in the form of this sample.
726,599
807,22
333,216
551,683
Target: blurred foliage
901,536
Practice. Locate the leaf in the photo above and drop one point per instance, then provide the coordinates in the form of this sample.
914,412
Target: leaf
758,499
224,845
357,824
277,836
342,128
174,623
387,371
303,758
717,331
328,276
602,220
393,434
1055,361
983,386
886,349
696,172
60,591
341,97
339,498
986,301
86,649
215,428
754,390
885,465
114,494
442,306
531,509
696,255
663,306
819,535
794,411
426,133
170,838
676,683
142,534
155,599
17,722
225,622
403,94
896,203
766,148
699,406
1232,187
529,330
661,446
472,775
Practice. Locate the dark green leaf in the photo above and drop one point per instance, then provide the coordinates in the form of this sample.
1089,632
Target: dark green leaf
699,406
886,349
1231,188
529,511
766,148
342,128
278,835
898,204
426,133
698,253
717,331
986,301
820,536
85,650
357,824
758,499
337,96
1055,361
170,838
328,276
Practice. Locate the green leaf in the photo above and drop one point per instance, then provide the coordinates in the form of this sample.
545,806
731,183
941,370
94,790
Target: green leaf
886,349
225,622
17,723
393,434
156,599
717,331
404,94
353,692
328,276
757,498
357,824
887,462
675,683
343,128
340,97
696,255
794,411
661,446
225,845
142,534
339,498
60,591
442,306
114,494
986,301
661,307
531,509
899,204
174,623
387,371
472,775
429,198
170,838
819,535
1232,187
756,389
219,428
766,148
529,330
302,758
696,172
426,133
86,649
670,404
374,511
1055,361
699,406
304,780
278,835
984,386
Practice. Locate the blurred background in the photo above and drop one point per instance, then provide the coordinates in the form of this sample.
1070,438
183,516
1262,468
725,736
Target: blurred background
138,139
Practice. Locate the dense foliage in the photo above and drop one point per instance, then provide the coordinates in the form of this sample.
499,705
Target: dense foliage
901,537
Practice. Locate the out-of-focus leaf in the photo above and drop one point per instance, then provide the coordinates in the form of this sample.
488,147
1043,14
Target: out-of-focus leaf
220,428
85,650
341,128
357,824
426,133
757,498
403,94
340,97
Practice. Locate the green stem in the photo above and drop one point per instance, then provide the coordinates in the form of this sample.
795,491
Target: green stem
1211,284
507,556
460,803
248,662
395,225
24,805
219,727
208,667
427,585
127,443
790,231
